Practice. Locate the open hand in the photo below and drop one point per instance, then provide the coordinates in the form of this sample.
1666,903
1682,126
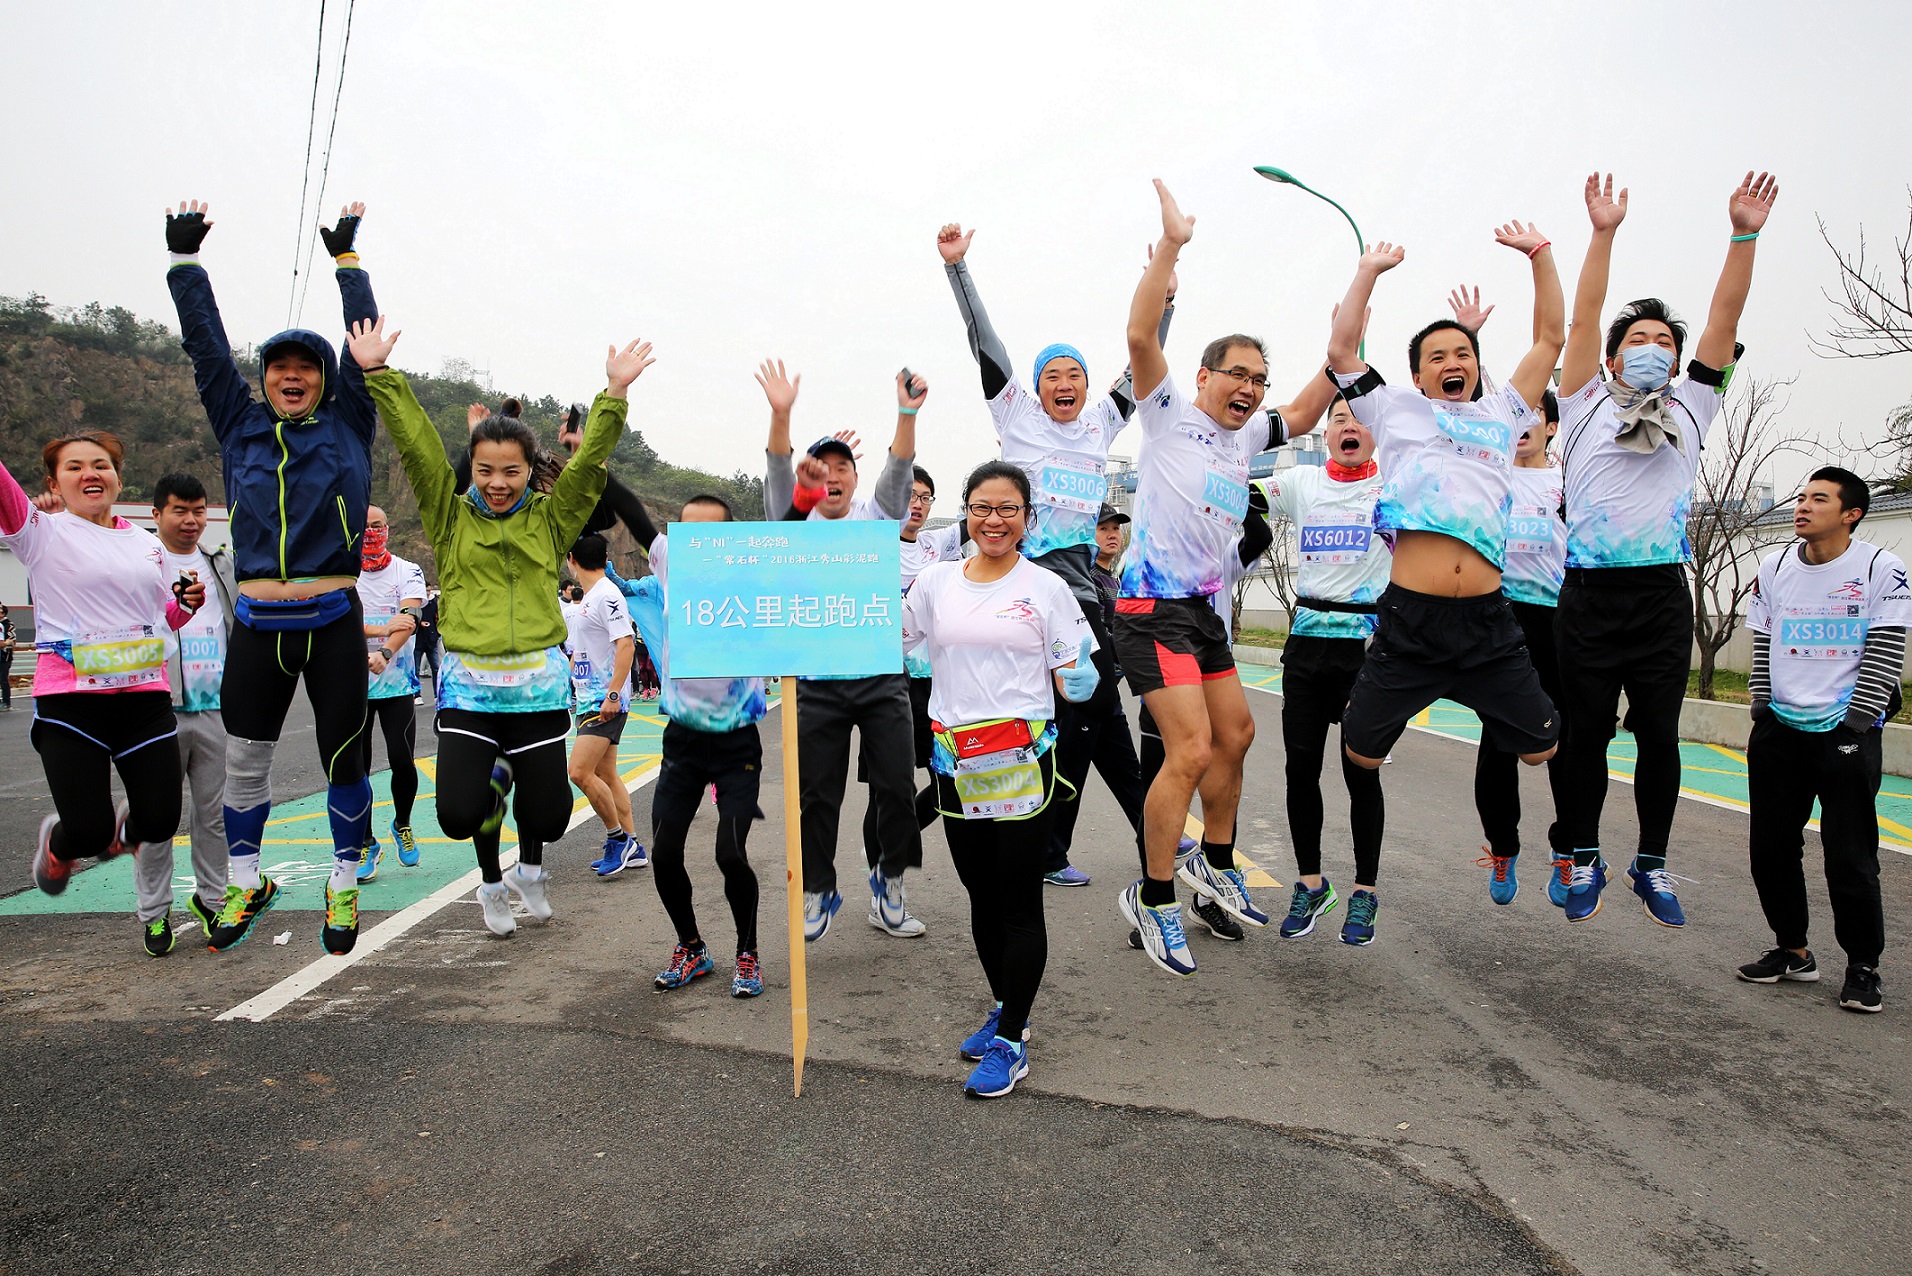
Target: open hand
1603,209
186,226
369,345
1525,239
1468,313
778,386
849,439
1381,257
1177,227
475,415
952,243
913,394
1752,202
621,367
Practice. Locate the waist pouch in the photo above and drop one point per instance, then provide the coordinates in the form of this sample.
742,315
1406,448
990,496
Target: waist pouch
293,613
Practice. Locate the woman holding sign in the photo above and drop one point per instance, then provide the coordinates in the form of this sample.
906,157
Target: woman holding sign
102,604
504,691
1001,635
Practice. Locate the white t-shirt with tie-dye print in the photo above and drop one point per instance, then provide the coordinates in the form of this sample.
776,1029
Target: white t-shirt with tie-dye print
1626,508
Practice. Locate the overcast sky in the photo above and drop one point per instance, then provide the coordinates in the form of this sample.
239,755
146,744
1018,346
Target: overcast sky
736,181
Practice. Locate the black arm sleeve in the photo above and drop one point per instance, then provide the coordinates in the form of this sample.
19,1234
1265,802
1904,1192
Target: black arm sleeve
624,503
461,471
988,348
1256,535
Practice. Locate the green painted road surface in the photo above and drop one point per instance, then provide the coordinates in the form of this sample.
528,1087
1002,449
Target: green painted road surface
298,848
1708,772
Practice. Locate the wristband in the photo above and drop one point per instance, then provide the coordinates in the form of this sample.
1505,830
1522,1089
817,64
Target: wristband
1743,239
906,412
377,367
1545,243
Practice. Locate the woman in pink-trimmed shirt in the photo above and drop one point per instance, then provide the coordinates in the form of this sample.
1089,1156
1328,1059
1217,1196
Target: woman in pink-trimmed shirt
102,603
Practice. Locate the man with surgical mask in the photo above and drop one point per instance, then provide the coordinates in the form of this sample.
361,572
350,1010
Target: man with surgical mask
1630,442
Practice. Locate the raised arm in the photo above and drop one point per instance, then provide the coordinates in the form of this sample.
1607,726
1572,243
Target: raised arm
1123,391
1581,363
420,450
1751,204
991,355
576,492
780,480
626,505
222,387
355,292
893,484
1535,372
1351,316
1147,364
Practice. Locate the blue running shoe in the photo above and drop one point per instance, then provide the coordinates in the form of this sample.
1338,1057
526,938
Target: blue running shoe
748,981
369,856
1186,845
1359,928
635,856
1163,938
407,844
1067,875
1655,887
1003,1064
1305,906
976,1044
686,964
1583,896
611,862
1223,885
500,790
818,909
1560,880
1502,884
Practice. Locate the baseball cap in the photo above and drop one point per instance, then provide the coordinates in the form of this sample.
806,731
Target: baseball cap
829,445
1110,512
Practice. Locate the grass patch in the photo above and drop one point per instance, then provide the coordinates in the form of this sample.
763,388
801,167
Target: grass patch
1730,687
1256,636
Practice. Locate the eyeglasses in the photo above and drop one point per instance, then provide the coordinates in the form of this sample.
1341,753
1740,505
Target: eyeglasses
1259,381
922,498
1001,511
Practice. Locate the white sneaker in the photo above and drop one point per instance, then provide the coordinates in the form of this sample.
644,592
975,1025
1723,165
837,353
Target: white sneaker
495,899
530,887
887,910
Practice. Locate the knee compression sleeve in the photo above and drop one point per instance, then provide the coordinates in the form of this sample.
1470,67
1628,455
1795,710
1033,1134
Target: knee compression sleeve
248,797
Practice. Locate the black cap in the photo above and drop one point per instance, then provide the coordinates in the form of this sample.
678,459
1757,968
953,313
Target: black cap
1109,512
837,446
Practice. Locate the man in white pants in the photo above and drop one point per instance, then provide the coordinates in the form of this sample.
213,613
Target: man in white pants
195,662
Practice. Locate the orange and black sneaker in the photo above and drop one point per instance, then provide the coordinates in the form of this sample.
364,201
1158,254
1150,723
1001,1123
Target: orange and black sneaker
50,872
340,931
239,910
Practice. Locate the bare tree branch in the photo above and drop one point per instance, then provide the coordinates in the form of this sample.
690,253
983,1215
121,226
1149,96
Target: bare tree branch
1875,312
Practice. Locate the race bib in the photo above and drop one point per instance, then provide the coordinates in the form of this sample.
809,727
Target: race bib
118,658
997,785
1822,633
1070,484
202,663
1477,438
1334,537
1530,530
1225,493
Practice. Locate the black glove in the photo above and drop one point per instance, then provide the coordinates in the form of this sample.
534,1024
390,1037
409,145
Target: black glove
186,232
1258,499
338,241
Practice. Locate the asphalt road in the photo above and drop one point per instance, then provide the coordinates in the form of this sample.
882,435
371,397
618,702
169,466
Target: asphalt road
1484,1089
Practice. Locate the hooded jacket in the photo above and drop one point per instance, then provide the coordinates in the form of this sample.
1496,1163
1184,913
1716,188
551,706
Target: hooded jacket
297,489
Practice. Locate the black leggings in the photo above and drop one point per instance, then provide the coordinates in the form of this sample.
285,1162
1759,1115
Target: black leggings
469,743
263,668
673,883
1000,864
77,734
398,719
1497,772
1316,676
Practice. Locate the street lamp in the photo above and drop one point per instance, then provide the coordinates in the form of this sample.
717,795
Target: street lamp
1283,177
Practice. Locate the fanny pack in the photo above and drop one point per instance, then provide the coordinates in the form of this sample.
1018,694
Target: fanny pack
985,737
278,615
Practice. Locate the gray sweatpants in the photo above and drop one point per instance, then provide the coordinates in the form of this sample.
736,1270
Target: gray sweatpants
202,760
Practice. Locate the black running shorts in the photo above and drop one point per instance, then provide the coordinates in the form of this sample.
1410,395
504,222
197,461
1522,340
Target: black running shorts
1431,648
1170,642
694,760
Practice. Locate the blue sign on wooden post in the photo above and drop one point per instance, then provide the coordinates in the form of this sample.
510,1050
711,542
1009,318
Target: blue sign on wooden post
803,598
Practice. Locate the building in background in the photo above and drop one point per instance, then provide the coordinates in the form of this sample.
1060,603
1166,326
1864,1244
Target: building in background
13,575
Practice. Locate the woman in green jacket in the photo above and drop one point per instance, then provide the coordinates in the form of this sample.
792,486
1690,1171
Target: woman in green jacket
504,688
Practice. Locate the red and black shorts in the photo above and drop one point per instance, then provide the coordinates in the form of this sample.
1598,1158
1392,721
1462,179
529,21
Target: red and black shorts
1170,642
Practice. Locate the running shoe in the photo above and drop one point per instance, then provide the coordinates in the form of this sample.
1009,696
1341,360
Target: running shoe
1216,918
340,931
369,856
1359,928
1223,885
634,854
238,911
748,981
407,844
818,909
528,881
1186,845
611,861
1779,964
1067,875
1161,929
977,1043
1003,1064
1862,991
1305,906
887,907
500,790
495,899
1655,888
208,914
1583,896
1502,884
686,964
159,936
119,845
1561,880
50,872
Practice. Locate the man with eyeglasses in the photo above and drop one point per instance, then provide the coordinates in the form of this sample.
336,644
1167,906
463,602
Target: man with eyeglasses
920,549
827,708
1190,501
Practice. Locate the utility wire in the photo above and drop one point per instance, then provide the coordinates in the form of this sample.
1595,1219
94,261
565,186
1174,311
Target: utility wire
311,122
325,169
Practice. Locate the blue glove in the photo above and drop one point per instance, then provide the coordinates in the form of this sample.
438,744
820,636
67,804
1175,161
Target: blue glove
1079,683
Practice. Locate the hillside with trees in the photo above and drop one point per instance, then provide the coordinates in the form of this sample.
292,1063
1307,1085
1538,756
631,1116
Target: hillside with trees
99,368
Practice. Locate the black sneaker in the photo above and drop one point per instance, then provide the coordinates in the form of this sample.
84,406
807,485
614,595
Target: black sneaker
1219,923
1861,992
1135,939
241,908
1780,964
208,914
159,936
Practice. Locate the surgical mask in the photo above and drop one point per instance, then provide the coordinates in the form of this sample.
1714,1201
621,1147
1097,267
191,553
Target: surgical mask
1646,367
